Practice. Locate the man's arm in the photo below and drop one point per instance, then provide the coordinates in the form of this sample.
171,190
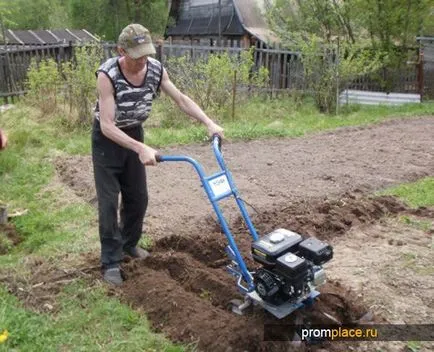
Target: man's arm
107,116
188,106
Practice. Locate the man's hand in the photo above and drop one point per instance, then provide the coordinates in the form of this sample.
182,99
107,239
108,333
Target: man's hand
3,140
213,129
147,155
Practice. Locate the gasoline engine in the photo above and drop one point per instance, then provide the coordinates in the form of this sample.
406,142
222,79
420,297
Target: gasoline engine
291,266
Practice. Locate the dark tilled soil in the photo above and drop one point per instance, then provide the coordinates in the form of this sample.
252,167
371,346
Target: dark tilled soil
185,288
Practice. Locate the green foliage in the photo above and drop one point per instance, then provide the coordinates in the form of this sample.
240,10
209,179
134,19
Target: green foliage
51,85
384,23
80,81
210,82
329,67
341,40
43,82
106,18
324,19
24,14
417,194
388,23
59,15
5,17
96,16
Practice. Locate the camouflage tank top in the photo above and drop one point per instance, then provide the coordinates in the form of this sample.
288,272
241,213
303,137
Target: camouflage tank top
132,103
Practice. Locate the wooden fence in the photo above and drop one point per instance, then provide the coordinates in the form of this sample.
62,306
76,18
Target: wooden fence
427,71
15,61
284,67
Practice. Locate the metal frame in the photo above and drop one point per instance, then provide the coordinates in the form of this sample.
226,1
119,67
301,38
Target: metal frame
238,267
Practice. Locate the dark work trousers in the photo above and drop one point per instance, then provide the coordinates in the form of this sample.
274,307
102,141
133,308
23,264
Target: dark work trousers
118,170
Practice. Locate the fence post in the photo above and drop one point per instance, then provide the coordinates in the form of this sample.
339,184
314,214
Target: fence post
3,214
420,78
61,57
234,93
8,72
337,77
106,51
159,50
279,68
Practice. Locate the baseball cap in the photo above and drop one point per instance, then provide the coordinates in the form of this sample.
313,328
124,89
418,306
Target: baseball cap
136,41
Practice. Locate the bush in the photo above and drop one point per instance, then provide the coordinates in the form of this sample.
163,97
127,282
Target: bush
80,82
74,81
210,81
330,67
43,82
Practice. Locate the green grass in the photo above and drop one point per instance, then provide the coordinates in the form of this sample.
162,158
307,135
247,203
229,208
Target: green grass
58,222
261,118
27,169
416,194
87,321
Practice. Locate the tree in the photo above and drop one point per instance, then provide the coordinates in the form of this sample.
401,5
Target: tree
369,32
107,17
103,17
325,19
391,23
5,18
59,15
33,14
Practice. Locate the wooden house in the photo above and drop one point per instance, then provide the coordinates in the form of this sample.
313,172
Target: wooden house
235,22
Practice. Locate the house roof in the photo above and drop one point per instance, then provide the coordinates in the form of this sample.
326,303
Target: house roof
198,17
253,19
45,37
230,25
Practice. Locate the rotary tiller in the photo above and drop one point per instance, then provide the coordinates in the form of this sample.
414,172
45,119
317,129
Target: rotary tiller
290,264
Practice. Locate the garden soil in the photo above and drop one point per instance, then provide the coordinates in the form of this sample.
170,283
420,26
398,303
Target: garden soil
321,185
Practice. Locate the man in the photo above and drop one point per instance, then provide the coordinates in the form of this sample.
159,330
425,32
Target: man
3,140
127,86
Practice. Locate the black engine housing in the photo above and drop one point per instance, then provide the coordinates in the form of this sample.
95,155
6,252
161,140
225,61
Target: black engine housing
290,264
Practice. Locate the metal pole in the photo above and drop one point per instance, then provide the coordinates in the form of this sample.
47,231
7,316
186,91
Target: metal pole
420,78
234,92
220,23
337,80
